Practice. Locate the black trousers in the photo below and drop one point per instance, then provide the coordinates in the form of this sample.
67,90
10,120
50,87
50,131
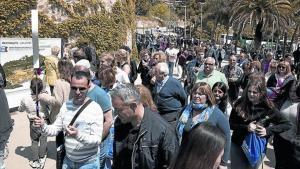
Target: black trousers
284,154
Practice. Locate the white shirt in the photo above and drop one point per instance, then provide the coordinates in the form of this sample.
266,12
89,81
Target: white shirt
122,76
172,54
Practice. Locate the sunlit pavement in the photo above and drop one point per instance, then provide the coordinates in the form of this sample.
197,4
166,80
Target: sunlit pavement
20,152
19,147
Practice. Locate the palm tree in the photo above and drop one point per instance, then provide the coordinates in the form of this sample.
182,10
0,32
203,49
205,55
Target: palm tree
260,14
296,9
219,11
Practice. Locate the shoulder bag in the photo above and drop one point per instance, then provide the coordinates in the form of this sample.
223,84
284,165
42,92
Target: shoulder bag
60,139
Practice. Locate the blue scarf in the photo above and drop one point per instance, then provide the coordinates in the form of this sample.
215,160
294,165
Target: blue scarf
204,115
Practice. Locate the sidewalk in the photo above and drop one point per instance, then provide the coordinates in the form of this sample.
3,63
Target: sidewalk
19,147
20,152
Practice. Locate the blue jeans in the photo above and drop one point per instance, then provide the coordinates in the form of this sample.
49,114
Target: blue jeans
171,67
105,148
90,164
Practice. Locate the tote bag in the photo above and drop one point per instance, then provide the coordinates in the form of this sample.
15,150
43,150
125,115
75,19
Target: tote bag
254,147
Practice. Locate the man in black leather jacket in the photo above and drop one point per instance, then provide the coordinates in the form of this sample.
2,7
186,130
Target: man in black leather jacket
143,139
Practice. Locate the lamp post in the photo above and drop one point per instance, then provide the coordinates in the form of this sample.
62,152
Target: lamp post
272,35
184,22
184,25
201,14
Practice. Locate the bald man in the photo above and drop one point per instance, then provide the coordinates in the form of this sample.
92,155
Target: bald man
209,75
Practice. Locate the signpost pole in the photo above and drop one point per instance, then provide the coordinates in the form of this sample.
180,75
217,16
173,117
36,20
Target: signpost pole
35,48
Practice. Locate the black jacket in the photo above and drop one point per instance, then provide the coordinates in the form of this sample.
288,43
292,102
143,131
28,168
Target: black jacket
154,147
133,71
284,90
145,75
275,123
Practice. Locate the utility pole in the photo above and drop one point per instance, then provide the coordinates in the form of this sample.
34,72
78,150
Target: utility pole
184,22
201,15
272,35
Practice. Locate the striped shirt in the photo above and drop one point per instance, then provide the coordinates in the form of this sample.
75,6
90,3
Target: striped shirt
89,123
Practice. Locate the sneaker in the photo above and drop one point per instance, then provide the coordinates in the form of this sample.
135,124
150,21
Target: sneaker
42,161
34,164
6,152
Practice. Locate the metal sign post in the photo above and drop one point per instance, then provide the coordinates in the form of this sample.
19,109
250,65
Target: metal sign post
35,37
35,48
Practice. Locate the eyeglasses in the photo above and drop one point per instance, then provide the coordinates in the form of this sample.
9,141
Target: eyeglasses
209,64
199,94
81,89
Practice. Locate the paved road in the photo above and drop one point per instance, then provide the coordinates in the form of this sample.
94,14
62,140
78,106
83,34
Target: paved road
19,145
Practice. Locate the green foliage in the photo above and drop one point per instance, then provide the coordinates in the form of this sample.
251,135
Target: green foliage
87,20
15,17
142,7
160,10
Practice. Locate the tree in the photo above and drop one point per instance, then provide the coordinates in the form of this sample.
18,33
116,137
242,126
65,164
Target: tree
261,14
219,12
142,7
296,18
15,17
160,10
85,20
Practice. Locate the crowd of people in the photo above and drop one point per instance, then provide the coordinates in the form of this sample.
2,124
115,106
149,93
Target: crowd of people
189,111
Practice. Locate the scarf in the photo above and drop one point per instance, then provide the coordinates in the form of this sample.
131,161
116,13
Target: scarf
187,114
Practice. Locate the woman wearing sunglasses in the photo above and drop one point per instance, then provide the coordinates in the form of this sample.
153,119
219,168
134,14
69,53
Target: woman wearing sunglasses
278,82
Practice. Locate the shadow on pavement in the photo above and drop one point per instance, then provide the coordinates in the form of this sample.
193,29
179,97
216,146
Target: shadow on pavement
26,151
23,151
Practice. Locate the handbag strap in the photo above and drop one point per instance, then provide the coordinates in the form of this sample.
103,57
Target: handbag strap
80,110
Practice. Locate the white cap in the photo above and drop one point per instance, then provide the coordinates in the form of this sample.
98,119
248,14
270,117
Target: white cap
83,62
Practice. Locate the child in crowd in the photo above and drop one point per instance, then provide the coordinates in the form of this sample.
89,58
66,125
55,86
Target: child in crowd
29,104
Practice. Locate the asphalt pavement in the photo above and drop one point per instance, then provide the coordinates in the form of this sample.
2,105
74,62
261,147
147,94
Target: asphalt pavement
20,152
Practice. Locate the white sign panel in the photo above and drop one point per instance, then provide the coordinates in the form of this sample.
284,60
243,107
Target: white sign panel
16,48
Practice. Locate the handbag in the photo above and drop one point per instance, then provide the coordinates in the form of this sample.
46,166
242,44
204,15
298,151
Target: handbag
60,139
254,147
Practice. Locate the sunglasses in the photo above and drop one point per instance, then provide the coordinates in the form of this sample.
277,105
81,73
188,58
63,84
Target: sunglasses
81,89
281,67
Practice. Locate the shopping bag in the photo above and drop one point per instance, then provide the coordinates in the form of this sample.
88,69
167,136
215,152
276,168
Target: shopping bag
254,147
